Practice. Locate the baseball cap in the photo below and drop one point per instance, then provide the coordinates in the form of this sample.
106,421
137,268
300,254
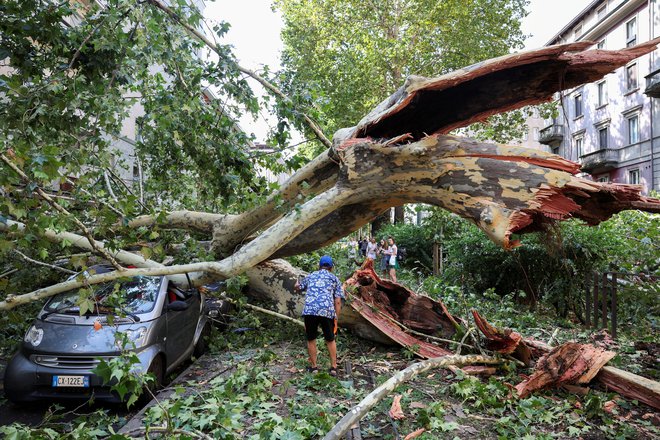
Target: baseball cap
326,260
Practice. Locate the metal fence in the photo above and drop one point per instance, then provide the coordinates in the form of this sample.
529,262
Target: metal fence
601,305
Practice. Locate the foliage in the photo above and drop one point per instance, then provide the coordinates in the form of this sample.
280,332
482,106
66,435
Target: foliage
549,267
121,372
241,404
345,57
72,74
60,425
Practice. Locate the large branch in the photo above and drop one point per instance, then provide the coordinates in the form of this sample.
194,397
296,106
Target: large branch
200,221
472,94
12,301
501,189
128,258
250,255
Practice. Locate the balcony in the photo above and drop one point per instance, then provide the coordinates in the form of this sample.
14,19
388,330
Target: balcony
553,134
653,84
600,161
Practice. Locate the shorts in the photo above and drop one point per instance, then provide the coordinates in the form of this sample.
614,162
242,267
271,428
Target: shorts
328,325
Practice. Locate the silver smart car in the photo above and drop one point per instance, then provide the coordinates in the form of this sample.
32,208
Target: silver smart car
165,325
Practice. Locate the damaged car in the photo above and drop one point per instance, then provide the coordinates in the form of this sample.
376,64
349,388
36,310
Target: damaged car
163,324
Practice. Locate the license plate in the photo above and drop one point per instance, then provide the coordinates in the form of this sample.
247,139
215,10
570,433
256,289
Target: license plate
71,381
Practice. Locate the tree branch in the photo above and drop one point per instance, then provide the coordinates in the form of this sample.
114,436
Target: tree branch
266,311
60,209
361,409
261,80
41,263
201,221
81,242
12,301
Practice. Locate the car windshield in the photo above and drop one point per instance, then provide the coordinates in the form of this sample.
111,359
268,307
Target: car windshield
137,295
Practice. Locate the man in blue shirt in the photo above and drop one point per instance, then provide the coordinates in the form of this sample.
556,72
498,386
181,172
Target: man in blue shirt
322,307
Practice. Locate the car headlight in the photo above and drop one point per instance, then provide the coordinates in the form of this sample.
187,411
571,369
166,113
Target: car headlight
136,336
34,335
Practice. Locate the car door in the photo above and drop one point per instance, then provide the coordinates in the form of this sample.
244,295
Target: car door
181,324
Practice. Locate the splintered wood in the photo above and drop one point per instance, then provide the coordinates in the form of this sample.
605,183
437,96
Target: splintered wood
398,312
503,341
570,363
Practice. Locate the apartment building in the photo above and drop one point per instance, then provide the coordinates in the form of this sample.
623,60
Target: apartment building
612,126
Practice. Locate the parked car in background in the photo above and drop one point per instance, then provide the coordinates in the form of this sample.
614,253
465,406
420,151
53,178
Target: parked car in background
164,324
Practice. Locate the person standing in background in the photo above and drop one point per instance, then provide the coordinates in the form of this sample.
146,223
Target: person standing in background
382,252
392,252
371,248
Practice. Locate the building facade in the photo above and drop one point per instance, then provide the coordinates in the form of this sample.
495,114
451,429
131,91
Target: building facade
612,126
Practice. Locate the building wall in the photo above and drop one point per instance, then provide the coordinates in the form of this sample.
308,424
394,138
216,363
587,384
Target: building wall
624,105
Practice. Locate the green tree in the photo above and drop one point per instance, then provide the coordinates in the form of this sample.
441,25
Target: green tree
346,56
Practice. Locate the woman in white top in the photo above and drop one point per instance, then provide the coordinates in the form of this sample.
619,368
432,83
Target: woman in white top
371,248
392,251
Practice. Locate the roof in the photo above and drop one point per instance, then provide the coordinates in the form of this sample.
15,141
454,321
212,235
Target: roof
578,18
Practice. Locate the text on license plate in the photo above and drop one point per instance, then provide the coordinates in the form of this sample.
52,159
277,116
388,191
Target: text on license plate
71,381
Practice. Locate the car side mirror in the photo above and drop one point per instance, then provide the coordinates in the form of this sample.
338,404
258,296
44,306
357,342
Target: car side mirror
177,306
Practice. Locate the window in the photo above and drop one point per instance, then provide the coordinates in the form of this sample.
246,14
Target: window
555,150
631,77
633,176
526,135
577,102
604,179
633,129
602,137
631,32
601,12
577,32
535,133
602,93
579,142
601,44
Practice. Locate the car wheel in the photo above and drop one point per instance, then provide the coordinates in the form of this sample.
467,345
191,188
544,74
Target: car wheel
157,369
202,342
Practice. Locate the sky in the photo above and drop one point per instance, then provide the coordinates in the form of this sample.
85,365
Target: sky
255,33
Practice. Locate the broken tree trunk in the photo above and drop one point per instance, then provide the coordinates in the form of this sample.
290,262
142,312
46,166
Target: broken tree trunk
503,341
629,385
401,315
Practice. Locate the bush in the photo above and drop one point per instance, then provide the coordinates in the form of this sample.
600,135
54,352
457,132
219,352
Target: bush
549,266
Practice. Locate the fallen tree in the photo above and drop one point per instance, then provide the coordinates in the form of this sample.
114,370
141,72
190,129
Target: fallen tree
388,159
